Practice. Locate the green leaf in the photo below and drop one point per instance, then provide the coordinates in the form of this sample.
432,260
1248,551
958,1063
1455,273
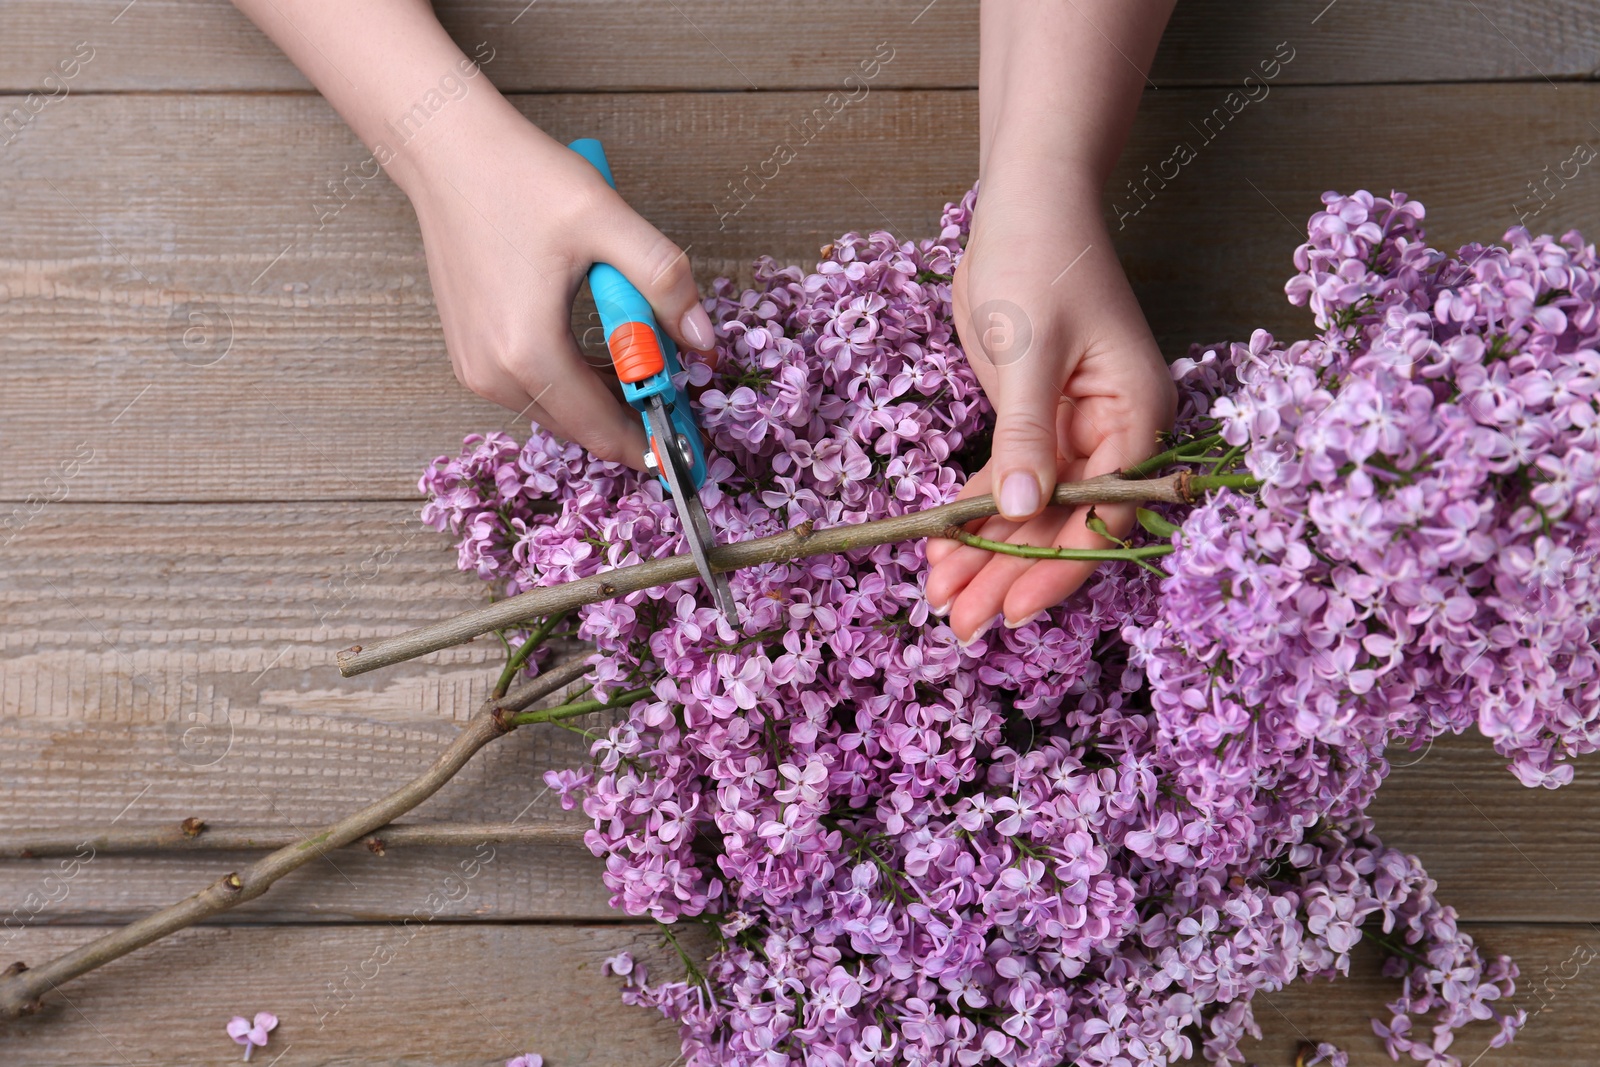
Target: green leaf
1098,525
1154,524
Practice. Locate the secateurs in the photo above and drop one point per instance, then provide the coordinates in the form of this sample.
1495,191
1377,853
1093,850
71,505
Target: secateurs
646,360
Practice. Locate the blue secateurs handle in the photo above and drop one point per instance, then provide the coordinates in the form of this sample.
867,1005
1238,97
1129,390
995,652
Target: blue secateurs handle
644,356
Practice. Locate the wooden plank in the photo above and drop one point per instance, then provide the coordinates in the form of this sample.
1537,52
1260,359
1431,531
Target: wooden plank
132,627
558,45
112,251
1499,850
435,993
1557,989
328,332
177,662
477,994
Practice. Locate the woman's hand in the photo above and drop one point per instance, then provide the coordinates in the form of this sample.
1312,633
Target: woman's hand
1080,389
1044,311
510,218
511,221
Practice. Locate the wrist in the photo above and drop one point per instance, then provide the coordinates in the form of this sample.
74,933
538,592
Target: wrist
422,150
1048,189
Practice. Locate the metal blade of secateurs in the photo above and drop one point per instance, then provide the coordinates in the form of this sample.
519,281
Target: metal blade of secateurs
696,526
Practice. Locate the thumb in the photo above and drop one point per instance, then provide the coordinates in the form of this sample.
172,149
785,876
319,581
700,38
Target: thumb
1000,338
1023,454
660,270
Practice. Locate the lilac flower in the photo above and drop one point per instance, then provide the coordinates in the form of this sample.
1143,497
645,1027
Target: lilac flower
252,1033
1095,838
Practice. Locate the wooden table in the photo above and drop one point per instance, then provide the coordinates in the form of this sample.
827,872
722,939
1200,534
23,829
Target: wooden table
218,394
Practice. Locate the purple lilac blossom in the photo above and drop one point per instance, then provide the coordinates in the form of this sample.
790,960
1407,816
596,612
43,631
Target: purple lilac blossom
1094,838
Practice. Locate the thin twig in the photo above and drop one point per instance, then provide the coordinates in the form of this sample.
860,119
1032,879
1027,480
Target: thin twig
1094,555
563,712
174,838
518,659
798,543
542,685
21,987
1187,451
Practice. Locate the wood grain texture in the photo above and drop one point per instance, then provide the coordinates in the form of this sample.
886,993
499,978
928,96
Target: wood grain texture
181,661
473,995
1558,989
556,45
1499,850
190,649
429,994
269,383
329,380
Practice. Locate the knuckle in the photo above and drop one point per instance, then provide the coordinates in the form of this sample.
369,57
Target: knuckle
605,449
530,381
473,376
1023,427
668,266
584,199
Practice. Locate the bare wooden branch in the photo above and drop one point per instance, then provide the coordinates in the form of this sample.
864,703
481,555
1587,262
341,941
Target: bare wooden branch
797,543
54,843
542,685
22,987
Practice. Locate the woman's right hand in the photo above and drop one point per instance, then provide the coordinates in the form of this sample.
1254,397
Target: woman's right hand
511,219
511,222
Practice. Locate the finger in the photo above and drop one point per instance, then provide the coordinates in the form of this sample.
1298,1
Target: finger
940,547
1024,449
512,398
579,407
949,578
660,270
980,601
1049,582
983,599
496,387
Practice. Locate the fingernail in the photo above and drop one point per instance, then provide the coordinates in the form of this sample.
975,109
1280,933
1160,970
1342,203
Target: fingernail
940,610
696,327
977,635
1019,495
1020,623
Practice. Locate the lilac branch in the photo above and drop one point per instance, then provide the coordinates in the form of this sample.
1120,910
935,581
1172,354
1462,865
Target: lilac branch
21,987
799,543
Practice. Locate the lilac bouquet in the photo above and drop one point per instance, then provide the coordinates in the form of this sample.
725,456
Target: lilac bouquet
1091,839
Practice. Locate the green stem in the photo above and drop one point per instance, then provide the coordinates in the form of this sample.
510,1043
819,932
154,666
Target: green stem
582,707
524,650
587,735
1226,458
1394,948
1201,482
864,848
1189,450
693,969
1143,552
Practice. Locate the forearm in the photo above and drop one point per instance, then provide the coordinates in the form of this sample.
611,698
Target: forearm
387,67
1059,82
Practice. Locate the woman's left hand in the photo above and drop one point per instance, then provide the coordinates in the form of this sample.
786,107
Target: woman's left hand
1080,389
